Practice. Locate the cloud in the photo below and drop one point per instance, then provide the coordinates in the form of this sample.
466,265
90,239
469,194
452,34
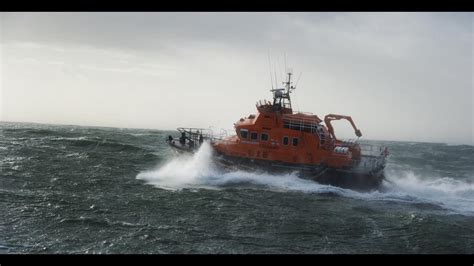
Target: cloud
401,75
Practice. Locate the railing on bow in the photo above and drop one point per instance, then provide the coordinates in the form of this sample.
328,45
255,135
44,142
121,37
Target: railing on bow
193,137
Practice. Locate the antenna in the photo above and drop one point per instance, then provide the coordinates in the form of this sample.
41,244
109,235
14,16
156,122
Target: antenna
288,83
298,80
276,81
270,68
279,68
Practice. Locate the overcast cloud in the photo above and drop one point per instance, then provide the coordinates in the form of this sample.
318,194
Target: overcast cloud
401,76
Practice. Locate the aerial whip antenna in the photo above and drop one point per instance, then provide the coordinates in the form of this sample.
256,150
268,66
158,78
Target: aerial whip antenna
279,69
270,69
276,81
298,80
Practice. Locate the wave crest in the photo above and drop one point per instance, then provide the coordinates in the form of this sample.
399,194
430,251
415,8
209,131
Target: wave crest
198,171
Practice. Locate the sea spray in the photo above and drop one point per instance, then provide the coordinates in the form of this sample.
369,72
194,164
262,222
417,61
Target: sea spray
182,171
446,192
198,171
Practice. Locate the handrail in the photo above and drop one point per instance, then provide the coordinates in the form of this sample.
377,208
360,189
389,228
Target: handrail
314,119
304,113
301,125
207,133
372,149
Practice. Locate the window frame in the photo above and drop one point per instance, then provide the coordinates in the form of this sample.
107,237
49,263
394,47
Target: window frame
293,142
287,140
243,130
264,133
253,139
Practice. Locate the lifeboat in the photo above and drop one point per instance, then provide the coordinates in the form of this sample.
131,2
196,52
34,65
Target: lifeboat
276,139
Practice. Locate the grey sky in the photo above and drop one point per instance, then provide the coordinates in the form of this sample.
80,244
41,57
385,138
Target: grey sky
401,76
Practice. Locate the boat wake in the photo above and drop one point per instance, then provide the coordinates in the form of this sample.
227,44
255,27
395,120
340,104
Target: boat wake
446,192
198,171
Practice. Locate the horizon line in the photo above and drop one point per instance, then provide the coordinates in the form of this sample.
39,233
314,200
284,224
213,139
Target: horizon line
117,127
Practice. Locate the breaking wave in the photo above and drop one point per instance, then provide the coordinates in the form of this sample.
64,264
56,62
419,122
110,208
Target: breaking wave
198,171
446,192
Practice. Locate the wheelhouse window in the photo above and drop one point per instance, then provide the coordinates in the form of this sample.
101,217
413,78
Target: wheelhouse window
264,137
254,136
295,141
244,133
285,141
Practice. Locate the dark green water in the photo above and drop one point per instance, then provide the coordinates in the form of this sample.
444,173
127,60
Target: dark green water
69,189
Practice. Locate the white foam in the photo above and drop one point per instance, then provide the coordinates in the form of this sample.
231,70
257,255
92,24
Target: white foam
183,171
198,171
450,193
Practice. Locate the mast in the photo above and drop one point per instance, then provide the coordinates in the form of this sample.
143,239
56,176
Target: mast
281,96
288,88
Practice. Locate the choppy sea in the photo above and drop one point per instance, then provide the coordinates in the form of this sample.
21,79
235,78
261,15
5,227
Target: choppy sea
72,189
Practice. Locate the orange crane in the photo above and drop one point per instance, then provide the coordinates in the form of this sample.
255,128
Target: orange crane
328,118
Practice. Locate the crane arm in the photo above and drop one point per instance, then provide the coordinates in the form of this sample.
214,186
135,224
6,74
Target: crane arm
328,118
